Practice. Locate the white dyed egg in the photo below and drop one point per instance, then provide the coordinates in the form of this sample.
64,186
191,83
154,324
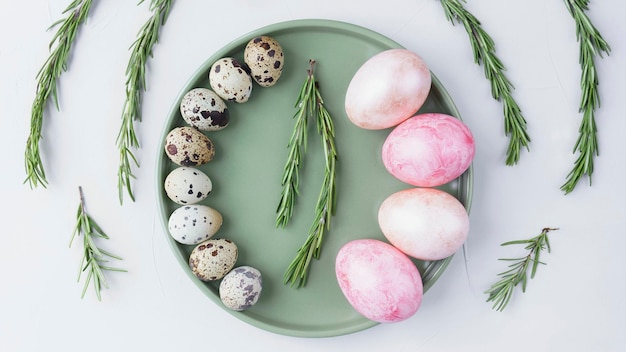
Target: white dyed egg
212,259
424,223
187,185
241,288
192,224
187,146
265,57
231,80
387,89
204,109
429,150
378,280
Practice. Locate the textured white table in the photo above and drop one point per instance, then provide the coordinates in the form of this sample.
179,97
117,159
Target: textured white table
575,303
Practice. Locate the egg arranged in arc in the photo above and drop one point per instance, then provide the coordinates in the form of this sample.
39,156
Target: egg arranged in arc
192,224
231,80
387,89
378,280
212,259
204,109
187,185
424,223
241,288
429,150
265,57
188,146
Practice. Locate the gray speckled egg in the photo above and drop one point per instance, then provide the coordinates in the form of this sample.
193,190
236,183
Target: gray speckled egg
265,57
212,259
241,288
231,80
204,109
187,146
192,224
187,185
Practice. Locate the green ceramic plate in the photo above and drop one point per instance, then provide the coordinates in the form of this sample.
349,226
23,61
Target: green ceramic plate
247,169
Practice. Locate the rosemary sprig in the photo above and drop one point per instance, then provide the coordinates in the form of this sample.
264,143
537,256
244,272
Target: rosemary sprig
141,49
93,257
591,45
325,208
502,291
484,51
297,144
47,77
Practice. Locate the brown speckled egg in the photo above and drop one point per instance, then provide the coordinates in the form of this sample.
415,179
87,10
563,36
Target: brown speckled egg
187,146
212,259
204,109
265,57
231,80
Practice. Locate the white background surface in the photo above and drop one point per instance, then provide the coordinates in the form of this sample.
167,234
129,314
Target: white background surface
575,303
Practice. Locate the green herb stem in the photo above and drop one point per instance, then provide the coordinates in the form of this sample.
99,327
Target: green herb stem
47,77
94,258
591,45
141,50
501,292
484,51
297,271
297,148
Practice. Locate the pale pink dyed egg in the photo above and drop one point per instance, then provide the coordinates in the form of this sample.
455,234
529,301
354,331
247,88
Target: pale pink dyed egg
429,150
378,280
387,89
424,223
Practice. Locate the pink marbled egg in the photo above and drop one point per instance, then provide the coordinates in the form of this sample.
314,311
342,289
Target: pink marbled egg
387,89
424,223
429,150
378,280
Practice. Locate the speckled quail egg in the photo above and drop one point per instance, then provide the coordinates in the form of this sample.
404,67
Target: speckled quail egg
265,57
204,109
212,259
192,224
241,288
187,185
231,80
187,146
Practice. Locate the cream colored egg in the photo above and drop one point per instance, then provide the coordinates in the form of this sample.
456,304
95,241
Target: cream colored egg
231,80
192,224
187,185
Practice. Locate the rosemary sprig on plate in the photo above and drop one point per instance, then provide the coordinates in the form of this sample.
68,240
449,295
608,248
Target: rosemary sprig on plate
297,147
94,257
297,271
47,77
591,45
484,51
501,292
141,49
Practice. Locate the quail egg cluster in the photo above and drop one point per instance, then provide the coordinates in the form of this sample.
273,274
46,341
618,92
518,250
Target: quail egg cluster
204,110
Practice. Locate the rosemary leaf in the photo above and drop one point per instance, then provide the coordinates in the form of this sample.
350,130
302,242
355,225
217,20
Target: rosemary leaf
141,49
93,257
500,293
297,144
52,69
592,45
483,49
297,271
